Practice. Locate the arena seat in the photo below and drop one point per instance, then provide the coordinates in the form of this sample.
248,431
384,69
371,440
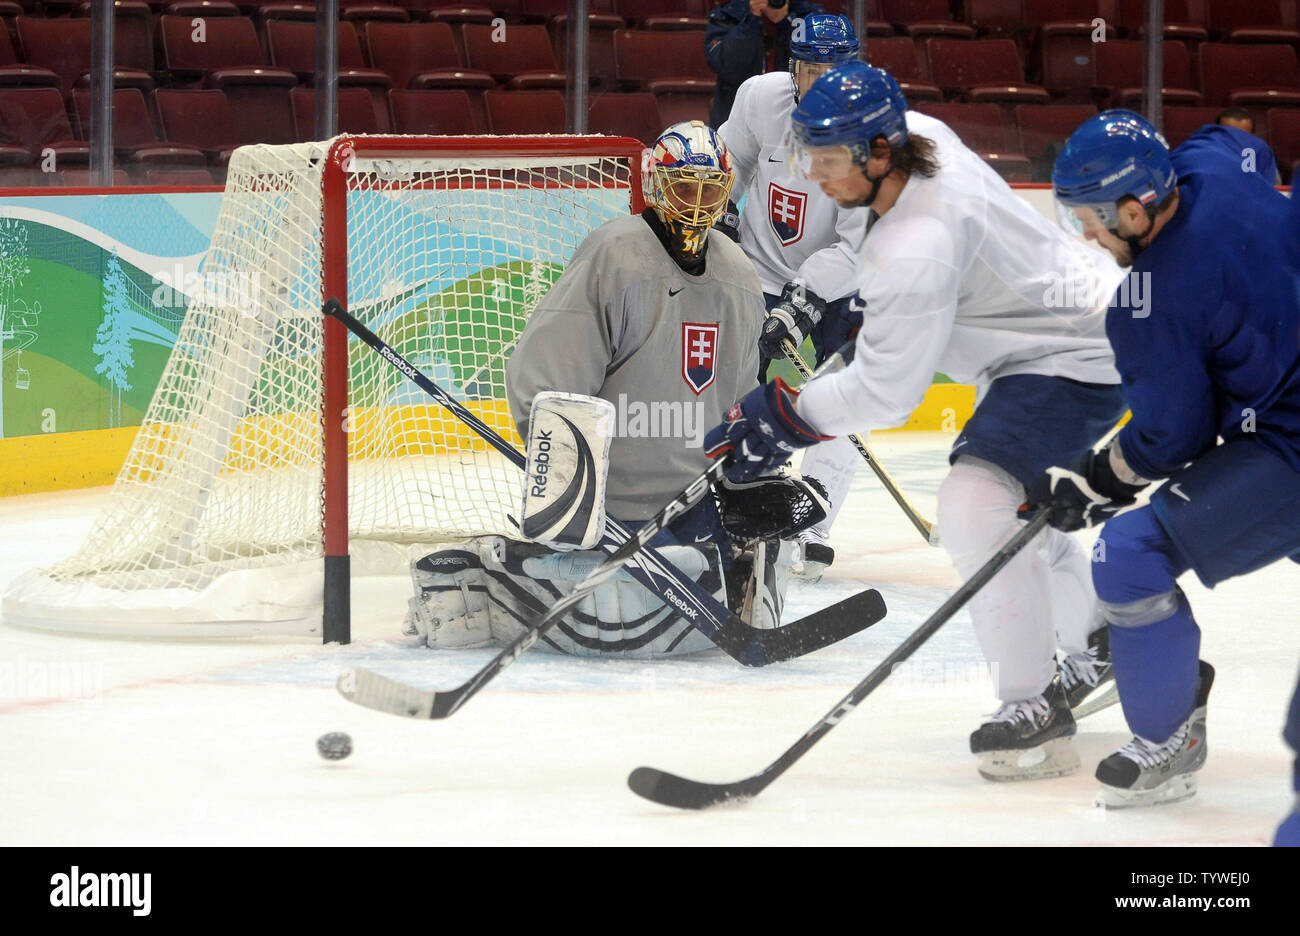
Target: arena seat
525,111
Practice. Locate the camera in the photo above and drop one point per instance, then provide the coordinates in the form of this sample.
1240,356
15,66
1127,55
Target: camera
776,4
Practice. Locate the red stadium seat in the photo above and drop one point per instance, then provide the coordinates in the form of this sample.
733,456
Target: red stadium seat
923,19
194,176
1184,20
1117,78
1044,128
1062,50
14,74
1251,21
292,44
134,139
1181,122
678,103
984,70
635,114
356,113
898,55
227,43
997,18
200,118
63,47
1284,138
132,33
524,61
982,127
202,8
433,112
525,111
35,120
646,58
1264,75
407,52
601,69
451,11
375,12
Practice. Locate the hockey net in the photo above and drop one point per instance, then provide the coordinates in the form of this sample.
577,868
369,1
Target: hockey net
225,508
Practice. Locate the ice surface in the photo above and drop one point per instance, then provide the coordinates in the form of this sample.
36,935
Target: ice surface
109,740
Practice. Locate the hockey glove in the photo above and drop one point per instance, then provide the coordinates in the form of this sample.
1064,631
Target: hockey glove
1082,494
761,432
793,317
729,222
838,327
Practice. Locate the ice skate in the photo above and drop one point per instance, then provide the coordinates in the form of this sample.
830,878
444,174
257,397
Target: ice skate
1029,739
1147,773
814,558
1088,677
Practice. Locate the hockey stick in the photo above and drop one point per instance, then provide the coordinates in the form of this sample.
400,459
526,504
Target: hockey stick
923,526
750,646
672,790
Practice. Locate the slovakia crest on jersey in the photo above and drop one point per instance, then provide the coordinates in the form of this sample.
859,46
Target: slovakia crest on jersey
699,355
786,209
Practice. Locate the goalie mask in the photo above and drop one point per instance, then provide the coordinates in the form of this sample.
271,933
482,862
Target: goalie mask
688,178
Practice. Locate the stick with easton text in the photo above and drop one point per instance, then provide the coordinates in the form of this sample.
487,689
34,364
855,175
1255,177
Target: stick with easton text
923,526
672,790
749,645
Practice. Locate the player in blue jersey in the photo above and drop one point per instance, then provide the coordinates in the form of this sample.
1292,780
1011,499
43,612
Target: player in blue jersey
1211,352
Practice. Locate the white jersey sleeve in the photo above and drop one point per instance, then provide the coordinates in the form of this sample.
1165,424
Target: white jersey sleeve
791,231
963,276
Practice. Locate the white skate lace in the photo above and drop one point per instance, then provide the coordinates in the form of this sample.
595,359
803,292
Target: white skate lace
1022,709
1082,668
1148,754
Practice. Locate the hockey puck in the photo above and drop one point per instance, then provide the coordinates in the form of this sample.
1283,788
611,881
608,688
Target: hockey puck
335,745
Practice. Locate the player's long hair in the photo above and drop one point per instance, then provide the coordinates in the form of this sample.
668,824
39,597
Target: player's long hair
915,157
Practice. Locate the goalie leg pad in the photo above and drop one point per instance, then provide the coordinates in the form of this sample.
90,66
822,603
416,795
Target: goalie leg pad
621,617
450,606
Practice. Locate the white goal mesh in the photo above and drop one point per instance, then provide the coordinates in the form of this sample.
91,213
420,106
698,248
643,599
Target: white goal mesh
216,515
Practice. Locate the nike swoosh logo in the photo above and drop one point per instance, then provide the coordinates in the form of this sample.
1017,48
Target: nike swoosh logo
673,292
1174,489
704,539
771,159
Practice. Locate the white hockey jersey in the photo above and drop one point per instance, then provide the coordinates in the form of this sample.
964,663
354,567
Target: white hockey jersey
790,230
963,276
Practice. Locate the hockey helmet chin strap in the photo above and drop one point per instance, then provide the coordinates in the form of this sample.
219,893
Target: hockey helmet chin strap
861,160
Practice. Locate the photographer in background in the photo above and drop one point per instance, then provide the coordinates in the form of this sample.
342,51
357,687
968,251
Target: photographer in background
747,38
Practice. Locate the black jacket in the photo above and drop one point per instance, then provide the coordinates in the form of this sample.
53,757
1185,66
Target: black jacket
736,45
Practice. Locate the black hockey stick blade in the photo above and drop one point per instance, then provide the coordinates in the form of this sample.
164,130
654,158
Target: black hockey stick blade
671,790
761,646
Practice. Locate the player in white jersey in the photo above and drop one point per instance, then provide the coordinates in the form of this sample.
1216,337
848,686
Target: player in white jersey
964,277
649,334
803,245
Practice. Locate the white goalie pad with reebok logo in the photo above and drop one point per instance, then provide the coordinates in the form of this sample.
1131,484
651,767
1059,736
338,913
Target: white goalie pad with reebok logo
568,462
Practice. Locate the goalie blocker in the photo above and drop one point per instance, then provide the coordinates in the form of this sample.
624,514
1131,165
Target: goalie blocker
487,590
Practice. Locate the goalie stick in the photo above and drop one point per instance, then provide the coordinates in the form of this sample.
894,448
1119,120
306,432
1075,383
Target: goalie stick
748,645
672,790
923,526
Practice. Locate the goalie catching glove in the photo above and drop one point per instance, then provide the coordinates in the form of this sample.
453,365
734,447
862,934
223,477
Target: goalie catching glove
761,432
1084,493
775,506
798,312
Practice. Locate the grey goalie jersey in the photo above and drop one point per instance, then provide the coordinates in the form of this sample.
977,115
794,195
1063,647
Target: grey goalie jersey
669,350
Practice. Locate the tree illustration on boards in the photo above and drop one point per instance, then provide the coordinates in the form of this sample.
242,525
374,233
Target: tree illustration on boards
13,270
113,337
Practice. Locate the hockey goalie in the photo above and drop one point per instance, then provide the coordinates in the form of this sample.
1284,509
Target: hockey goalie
646,339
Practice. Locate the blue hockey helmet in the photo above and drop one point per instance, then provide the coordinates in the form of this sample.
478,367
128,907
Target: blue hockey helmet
841,114
1112,156
818,42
